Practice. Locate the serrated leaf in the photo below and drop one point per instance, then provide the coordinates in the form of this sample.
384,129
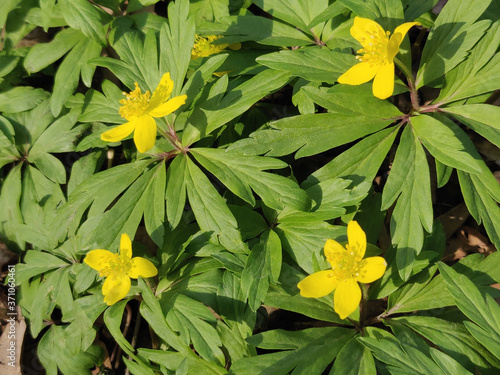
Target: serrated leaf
195,324
323,344
36,263
482,118
453,339
264,258
447,143
481,309
312,64
259,29
176,42
19,99
175,194
453,35
43,54
210,209
410,180
10,214
154,208
481,195
309,134
50,166
462,82
68,73
82,15
211,115
354,359
303,236
100,191
240,173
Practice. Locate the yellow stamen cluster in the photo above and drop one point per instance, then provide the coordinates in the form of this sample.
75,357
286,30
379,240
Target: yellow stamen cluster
115,265
136,104
203,46
375,51
345,265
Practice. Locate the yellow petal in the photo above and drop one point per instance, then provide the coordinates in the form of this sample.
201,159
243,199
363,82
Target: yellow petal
359,73
371,269
347,298
169,107
400,32
363,29
145,133
115,288
98,259
383,84
162,92
332,247
119,133
357,239
125,246
142,267
318,284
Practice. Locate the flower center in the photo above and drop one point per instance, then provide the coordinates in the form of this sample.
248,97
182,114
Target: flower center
345,265
375,47
115,265
203,46
136,104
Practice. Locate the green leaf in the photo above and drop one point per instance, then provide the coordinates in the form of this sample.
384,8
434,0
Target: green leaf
240,173
453,339
210,209
176,42
447,143
82,15
36,263
212,114
480,195
99,107
285,295
175,194
481,309
482,118
55,340
194,322
309,134
154,208
43,54
468,79
209,10
354,100
298,13
68,74
303,236
263,264
259,29
410,180
401,358
354,359
323,344
453,35
104,231
19,99
50,166
99,191
312,64
10,214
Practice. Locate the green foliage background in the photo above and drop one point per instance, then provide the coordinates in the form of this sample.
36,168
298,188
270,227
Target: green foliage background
227,223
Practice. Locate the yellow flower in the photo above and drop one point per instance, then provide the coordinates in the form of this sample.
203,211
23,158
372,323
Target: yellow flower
348,267
378,60
140,109
118,269
203,46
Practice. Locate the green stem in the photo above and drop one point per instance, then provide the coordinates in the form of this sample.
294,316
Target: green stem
363,307
411,84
